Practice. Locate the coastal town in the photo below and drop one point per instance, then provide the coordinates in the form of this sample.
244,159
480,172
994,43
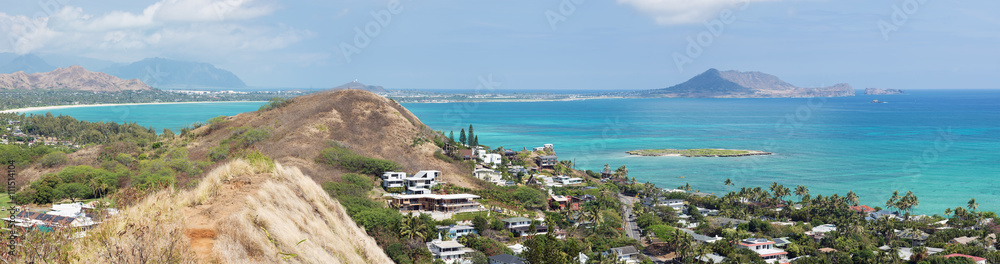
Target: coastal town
606,217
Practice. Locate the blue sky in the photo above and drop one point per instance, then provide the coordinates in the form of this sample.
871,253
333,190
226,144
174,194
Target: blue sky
623,44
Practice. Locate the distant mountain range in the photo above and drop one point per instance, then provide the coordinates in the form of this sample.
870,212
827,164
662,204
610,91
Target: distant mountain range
71,78
735,84
28,63
355,85
164,73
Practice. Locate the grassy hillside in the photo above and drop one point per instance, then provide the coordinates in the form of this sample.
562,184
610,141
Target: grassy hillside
361,121
242,212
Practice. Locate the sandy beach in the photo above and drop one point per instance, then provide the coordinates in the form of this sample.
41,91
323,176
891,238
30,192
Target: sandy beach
42,108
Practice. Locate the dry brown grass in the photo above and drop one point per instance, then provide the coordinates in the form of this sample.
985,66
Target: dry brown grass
291,219
239,213
151,231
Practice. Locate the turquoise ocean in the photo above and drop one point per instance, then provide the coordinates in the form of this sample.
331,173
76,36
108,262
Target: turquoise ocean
943,145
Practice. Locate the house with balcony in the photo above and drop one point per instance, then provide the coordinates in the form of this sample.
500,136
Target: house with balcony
393,179
448,251
765,249
547,161
449,203
566,180
521,226
421,182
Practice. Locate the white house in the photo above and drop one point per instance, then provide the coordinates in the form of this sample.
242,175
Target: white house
493,159
488,175
448,251
393,179
566,180
548,146
419,183
765,249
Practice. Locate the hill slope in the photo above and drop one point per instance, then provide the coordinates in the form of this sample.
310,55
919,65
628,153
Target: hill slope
28,63
256,212
735,84
362,121
71,78
164,73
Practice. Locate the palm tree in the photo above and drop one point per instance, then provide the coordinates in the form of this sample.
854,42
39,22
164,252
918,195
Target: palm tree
413,228
947,211
852,198
728,183
973,205
801,191
893,201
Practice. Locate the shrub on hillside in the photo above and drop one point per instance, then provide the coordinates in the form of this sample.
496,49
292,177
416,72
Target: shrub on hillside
54,159
347,159
274,103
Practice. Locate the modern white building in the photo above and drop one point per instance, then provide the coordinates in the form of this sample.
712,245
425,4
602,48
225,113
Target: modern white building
492,159
419,183
566,180
447,251
765,249
393,179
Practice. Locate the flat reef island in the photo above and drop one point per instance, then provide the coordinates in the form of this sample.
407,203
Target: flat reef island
697,152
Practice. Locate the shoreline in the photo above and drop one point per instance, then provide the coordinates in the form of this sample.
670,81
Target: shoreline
53,107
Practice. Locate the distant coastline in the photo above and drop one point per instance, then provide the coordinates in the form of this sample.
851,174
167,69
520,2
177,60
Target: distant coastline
54,107
697,152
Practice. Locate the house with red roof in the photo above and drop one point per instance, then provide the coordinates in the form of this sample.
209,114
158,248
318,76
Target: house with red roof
978,260
864,209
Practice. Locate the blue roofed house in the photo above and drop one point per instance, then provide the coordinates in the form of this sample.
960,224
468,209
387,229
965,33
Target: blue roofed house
455,231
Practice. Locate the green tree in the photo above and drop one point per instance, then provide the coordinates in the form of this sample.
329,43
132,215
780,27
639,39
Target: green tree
451,136
461,137
479,223
472,137
75,191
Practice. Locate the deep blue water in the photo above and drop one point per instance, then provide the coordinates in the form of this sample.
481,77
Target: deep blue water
944,145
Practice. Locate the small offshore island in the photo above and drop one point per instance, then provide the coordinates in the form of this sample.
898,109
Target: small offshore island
697,152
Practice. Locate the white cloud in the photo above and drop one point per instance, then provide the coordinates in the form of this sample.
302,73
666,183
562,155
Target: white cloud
189,27
673,12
